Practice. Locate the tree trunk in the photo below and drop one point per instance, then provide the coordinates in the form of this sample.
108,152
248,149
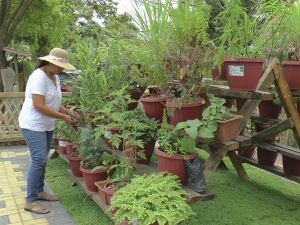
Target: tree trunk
2,66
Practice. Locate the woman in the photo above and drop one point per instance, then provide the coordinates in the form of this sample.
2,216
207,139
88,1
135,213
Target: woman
41,108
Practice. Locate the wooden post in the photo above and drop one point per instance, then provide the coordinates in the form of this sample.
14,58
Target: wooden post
264,83
287,101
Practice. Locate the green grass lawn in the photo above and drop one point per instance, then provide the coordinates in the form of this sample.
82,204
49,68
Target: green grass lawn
264,199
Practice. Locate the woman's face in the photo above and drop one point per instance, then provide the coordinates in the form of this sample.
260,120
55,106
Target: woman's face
53,69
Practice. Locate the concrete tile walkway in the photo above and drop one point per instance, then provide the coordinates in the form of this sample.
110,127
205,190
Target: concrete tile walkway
14,163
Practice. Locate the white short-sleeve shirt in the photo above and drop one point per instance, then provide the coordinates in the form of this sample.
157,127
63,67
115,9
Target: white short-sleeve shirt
39,83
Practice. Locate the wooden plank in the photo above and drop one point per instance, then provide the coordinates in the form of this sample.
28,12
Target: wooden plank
284,150
271,131
214,160
16,52
272,169
11,139
264,122
264,83
12,94
238,165
287,101
93,195
224,91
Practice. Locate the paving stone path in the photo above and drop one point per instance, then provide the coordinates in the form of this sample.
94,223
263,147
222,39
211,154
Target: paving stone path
14,163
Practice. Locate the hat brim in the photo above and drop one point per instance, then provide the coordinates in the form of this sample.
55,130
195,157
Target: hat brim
57,63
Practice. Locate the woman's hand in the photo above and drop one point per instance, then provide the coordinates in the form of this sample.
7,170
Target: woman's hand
68,119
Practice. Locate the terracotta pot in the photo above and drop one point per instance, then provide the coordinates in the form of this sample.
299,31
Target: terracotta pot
217,74
188,111
242,73
291,71
247,152
69,148
148,151
266,157
62,147
102,195
90,177
267,109
228,129
134,95
154,107
174,164
74,163
291,167
110,188
240,103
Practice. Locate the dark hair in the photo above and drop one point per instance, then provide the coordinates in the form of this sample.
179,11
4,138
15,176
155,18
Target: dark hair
42,63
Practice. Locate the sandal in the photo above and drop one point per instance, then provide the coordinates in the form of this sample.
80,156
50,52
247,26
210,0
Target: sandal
47,197
36,208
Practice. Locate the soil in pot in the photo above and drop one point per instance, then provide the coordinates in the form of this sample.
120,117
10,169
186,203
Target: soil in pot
111,187
173,164
90,177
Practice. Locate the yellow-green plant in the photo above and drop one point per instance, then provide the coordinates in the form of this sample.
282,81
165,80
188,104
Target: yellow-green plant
156,198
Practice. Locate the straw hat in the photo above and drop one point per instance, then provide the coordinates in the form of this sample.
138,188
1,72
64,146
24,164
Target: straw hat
58,57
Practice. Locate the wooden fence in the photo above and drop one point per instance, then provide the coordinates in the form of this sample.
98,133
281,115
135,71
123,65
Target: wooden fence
10,106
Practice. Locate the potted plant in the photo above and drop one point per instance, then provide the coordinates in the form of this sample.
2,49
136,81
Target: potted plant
94,161
63,133
241,37
138,134
177,144
153,199
228,123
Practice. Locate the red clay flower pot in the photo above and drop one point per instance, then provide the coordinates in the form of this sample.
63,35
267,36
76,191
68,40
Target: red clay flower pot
74,163
291,167
228,129
173,164
291,72
154,107
264,156
148,151
267,109
134,95
242,73
69,148
90,177
217,74
62,146
188,111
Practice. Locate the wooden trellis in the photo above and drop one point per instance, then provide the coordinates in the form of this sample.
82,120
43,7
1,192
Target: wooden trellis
10,106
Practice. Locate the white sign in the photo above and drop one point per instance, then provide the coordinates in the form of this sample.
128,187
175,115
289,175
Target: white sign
237,71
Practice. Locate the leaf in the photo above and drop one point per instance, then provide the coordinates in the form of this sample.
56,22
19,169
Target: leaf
192,132
187,144
206,133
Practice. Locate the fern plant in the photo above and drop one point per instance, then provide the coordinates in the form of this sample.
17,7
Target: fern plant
156,198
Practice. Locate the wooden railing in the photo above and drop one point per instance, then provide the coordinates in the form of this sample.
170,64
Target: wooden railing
10,106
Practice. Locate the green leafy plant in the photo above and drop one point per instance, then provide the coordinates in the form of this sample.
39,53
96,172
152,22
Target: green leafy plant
91,150
63,131
156,198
